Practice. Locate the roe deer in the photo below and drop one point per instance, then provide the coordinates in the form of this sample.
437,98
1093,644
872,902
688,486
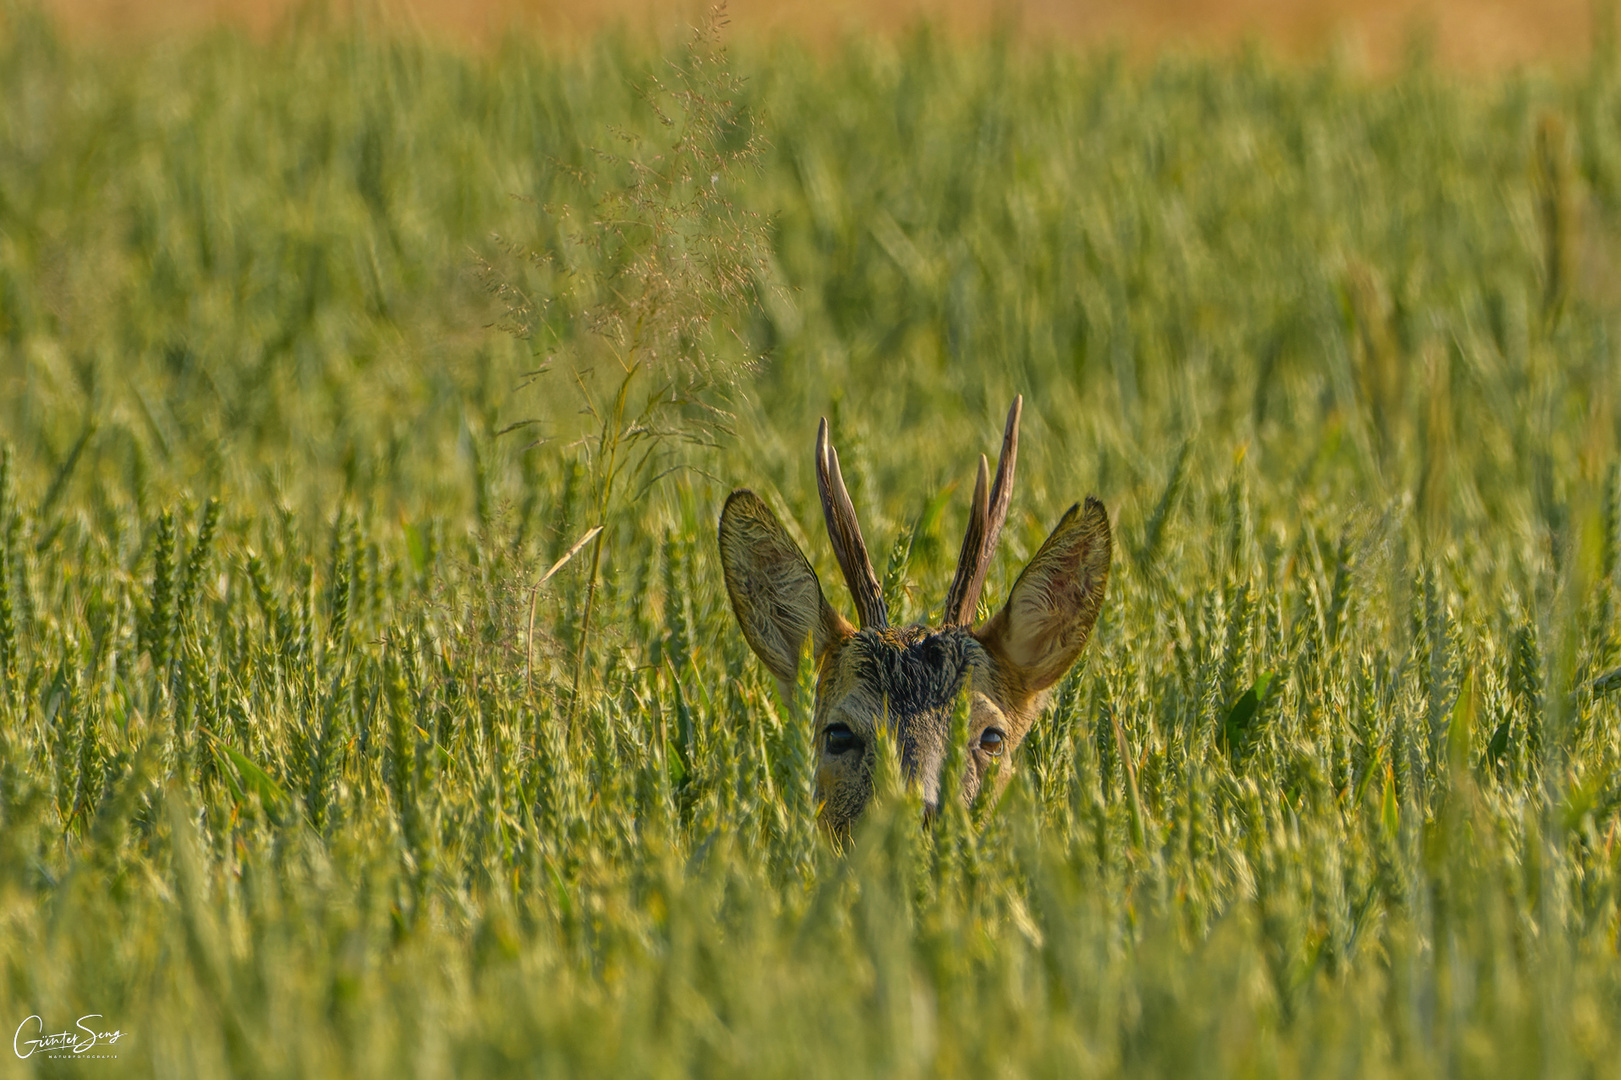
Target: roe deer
909,678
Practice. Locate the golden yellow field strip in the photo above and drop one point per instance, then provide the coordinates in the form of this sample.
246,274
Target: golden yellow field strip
1478,35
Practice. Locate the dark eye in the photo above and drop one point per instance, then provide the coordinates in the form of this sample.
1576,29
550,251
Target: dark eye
840,739
991,741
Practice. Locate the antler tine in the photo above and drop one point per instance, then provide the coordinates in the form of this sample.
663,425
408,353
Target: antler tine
985,521
959,608
845,532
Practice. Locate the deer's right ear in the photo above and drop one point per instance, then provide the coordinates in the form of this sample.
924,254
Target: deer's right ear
774,591
1054,604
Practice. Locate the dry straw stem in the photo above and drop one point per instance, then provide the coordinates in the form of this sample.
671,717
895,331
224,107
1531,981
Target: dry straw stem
534,593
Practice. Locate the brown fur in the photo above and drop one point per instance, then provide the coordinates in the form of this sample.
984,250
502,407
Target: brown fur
909,679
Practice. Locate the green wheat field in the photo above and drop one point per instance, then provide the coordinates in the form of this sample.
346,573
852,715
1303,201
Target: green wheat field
319,353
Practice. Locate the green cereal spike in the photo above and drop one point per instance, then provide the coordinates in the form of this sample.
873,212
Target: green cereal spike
191,579
160,606
900,559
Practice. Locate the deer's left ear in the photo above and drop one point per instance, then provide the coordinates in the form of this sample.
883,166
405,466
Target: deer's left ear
1050,612
775,595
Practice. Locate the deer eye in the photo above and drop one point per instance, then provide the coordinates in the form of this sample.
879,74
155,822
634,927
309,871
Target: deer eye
840,739
992,741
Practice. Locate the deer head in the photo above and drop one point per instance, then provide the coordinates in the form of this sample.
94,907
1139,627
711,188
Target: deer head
909,679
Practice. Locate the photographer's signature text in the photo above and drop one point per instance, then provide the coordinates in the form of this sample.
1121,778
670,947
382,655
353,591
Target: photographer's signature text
87,1034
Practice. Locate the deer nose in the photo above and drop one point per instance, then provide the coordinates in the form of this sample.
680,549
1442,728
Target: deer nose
921,768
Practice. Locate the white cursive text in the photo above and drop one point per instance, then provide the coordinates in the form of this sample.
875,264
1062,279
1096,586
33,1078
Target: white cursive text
25,1042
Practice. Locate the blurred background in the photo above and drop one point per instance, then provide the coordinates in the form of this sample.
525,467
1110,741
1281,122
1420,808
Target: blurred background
370,384
1465,34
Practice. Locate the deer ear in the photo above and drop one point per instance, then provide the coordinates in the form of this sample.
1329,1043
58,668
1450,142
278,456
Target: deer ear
1050,612
774,591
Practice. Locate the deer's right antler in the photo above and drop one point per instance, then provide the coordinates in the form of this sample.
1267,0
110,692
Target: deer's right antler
845,532
985,521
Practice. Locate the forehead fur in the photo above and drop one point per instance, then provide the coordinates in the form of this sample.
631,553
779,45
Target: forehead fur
917,669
